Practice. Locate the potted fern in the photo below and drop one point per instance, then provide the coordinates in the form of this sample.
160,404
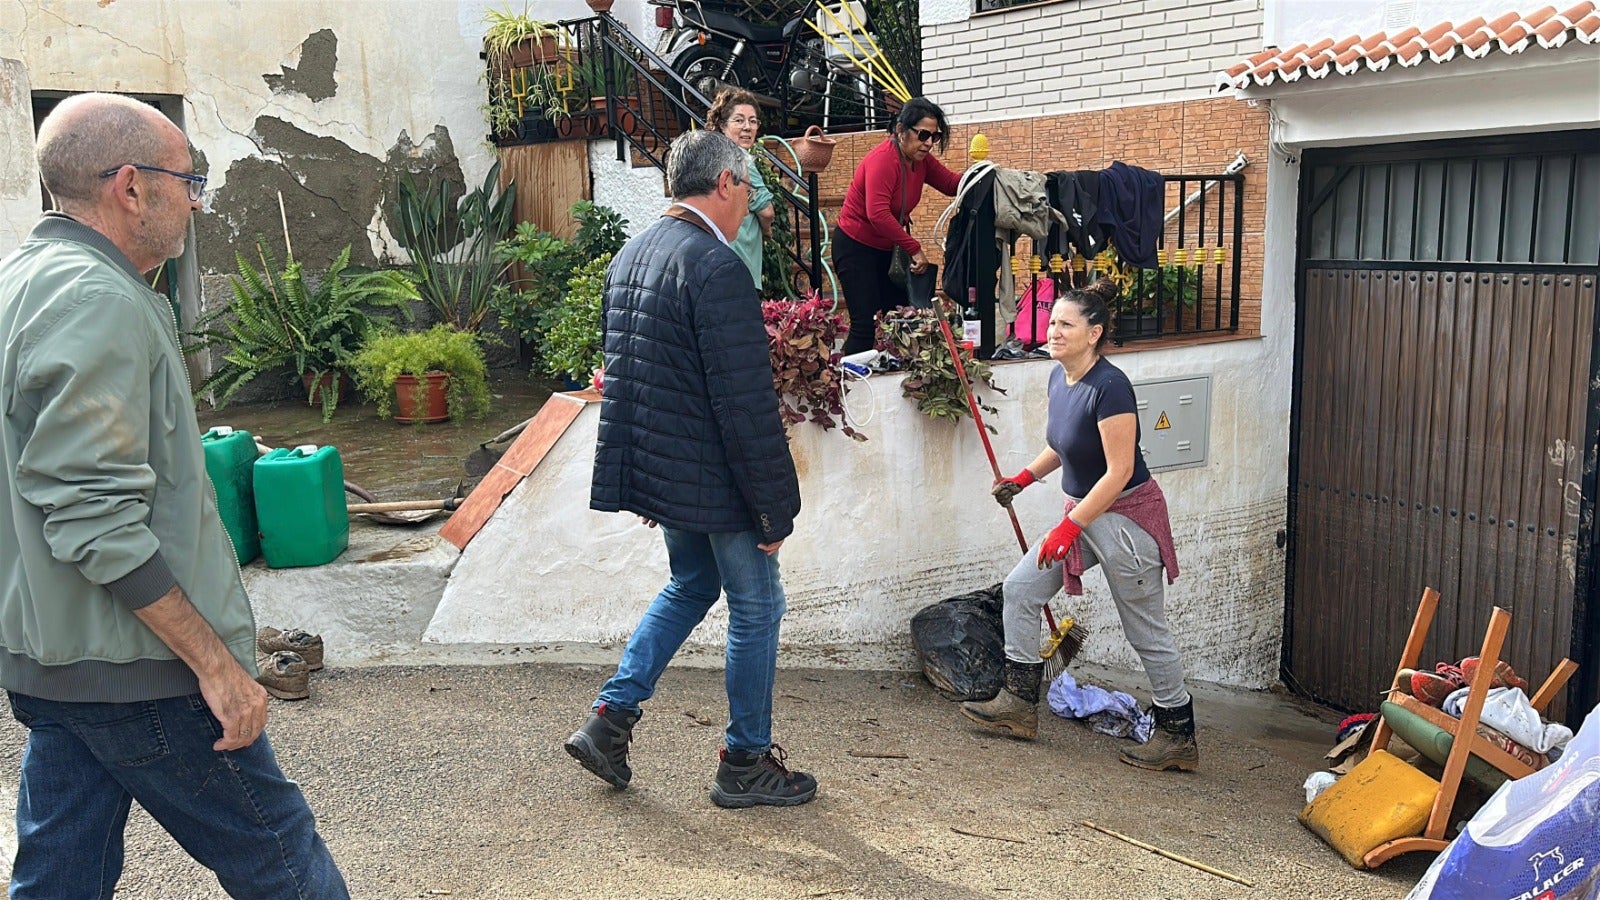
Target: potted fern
425,376
278,321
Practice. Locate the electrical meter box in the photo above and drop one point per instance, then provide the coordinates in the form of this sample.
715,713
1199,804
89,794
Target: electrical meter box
1174,422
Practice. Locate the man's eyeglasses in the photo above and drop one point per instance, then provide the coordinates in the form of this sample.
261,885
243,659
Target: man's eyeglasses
926,136
197,183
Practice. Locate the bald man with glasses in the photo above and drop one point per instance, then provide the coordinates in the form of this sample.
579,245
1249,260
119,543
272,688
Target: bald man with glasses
127,644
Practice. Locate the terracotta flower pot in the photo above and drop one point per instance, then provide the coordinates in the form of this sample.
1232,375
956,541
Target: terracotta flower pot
434,405
334,380
600,6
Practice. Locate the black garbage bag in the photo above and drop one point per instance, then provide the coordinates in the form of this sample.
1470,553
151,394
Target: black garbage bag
961,642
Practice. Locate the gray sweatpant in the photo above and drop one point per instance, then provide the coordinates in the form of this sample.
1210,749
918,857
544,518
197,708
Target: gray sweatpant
1131,561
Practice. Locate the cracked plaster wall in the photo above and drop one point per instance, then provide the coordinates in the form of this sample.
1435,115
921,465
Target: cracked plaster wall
326,101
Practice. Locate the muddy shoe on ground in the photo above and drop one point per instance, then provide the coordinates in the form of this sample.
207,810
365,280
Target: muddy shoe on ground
1172,746
309,646
750,779
1015,710
285,675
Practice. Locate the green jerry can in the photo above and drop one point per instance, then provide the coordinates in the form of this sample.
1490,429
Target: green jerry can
300,505
230,458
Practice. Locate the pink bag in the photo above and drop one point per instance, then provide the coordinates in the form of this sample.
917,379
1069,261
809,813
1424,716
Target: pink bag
1032,326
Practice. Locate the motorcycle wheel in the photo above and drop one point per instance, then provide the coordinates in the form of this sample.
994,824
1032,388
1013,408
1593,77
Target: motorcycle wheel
702,67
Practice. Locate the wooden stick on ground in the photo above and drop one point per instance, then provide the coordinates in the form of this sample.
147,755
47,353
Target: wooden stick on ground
1169,855
992,837
874,754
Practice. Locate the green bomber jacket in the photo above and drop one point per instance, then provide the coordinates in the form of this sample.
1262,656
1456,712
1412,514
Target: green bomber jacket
104,499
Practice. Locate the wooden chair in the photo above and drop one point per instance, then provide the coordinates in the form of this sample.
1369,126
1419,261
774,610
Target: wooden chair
1466,741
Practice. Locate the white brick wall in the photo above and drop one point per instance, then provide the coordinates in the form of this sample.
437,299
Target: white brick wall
1075,55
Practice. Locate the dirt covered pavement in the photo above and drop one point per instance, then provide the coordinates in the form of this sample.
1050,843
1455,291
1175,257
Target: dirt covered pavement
451,782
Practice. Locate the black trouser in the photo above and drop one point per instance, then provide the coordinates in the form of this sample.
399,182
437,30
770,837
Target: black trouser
863,274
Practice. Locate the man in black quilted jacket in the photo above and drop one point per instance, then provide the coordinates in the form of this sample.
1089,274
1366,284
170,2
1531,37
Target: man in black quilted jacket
690,440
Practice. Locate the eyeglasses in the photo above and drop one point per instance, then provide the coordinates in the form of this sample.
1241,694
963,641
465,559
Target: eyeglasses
742,121
926,136
197,183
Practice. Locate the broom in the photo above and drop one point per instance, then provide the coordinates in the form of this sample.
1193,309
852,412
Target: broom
1067,636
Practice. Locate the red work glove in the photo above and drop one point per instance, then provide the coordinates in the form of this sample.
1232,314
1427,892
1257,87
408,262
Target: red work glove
1007,488
1053,548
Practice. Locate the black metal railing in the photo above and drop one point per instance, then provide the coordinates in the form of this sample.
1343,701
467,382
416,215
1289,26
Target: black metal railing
1194,288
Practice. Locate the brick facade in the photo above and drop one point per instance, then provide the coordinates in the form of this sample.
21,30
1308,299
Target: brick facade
1062,57
1196,136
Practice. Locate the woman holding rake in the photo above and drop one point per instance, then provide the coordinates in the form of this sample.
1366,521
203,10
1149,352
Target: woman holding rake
1116,518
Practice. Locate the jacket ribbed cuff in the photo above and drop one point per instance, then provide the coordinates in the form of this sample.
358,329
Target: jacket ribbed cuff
145,584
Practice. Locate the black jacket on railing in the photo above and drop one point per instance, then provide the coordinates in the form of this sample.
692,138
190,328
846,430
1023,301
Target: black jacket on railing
689,429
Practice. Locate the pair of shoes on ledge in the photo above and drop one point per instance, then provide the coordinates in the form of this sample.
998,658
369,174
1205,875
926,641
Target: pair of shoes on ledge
286,660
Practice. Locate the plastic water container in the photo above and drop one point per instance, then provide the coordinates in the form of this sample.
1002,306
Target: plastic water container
230,460
300,506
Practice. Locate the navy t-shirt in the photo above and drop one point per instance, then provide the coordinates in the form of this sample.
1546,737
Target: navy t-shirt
1073,431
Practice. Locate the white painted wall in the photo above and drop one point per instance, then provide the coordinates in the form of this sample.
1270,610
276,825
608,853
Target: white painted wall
636,193
19,174
906,519
1057,58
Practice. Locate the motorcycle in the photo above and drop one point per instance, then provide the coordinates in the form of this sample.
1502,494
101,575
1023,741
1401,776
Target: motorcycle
789,67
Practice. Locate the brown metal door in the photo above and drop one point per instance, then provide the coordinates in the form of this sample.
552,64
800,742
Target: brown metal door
1441,429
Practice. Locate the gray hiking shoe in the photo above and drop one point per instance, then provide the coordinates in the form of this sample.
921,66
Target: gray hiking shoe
749,779
309,646
284,674
601,745
1172,746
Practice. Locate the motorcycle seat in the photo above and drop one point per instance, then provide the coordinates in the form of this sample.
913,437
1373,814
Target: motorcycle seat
724,23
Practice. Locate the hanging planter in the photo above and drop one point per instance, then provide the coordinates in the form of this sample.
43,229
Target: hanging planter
814,149
424,399
600,6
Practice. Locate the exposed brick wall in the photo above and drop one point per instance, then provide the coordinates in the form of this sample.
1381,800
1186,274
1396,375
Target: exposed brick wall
1081,54
1197,136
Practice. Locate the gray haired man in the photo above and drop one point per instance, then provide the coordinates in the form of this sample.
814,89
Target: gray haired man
126,639
691,440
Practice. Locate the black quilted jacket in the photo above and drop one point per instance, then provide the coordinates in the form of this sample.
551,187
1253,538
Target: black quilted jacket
689,427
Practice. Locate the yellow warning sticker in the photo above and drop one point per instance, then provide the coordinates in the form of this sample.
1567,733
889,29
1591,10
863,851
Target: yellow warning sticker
1163,423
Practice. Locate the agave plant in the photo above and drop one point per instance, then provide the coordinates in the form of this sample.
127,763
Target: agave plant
277,321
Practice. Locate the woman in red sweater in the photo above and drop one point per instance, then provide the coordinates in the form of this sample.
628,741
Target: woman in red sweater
877,210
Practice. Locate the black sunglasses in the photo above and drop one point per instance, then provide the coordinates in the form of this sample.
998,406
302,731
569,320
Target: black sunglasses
926,136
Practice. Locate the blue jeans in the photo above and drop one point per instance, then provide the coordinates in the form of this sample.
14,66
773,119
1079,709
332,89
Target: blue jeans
703,566
234,812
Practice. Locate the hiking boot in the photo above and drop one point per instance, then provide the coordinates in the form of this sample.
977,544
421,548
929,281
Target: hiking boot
1504,675
309,646
1015,710
284,674
750,779
1172,745
602,744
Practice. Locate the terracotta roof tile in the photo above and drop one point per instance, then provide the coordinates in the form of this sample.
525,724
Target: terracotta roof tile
1474,38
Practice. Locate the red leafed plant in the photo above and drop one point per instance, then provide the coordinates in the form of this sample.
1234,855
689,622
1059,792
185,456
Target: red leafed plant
805,370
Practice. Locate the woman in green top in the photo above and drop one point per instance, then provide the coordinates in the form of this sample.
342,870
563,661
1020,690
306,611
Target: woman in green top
734,114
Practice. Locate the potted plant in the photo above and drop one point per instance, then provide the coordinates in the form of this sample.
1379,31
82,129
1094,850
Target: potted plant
913,336
573,341
1148,295
542,264
452,244
278,321
805,369
514,40
425,376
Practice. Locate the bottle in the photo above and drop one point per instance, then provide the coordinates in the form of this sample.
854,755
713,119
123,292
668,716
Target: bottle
971,327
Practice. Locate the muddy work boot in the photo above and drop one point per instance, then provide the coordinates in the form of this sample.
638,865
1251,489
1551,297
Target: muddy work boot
284,674
602,744
751,779
1015,710
1172,745
309,646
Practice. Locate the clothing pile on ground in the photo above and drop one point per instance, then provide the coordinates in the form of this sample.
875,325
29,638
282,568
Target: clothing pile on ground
1107,712
1508,718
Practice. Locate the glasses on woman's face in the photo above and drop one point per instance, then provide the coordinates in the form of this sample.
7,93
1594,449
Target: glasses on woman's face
742,121
926,136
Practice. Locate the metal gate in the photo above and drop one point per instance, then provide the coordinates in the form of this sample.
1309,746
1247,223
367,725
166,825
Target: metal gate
1445,410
